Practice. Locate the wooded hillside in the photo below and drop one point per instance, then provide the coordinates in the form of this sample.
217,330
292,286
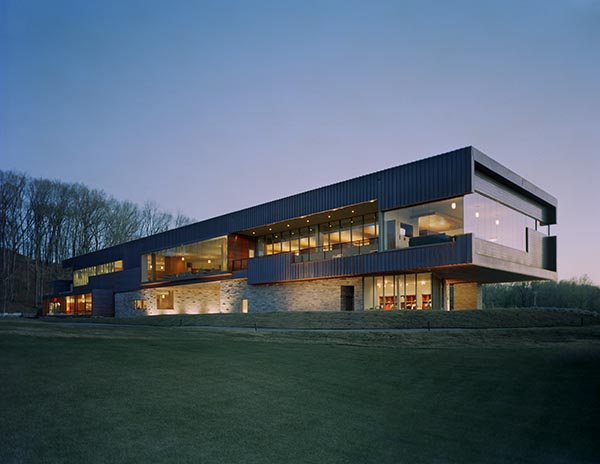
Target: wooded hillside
45,221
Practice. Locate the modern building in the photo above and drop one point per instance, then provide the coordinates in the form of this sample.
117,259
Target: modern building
424,235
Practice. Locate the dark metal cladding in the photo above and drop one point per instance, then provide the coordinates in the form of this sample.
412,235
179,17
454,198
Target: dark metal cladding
103,303
278,268
438,177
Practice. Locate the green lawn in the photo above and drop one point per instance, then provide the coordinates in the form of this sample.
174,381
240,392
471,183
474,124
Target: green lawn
178,394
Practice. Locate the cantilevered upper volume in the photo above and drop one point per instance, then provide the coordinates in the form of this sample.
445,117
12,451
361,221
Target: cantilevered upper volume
423,235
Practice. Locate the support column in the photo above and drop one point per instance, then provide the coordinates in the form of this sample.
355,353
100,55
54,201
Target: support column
467,295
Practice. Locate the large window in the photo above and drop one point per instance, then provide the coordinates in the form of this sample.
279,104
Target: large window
489,220
78,305
345,237
82,276
425,224
404,291
194,259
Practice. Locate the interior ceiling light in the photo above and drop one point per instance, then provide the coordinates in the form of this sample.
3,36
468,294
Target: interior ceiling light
476,214
497,222
453,205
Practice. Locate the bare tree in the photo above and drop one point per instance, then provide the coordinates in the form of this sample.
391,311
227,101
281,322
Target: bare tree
43,222
12,230
154,220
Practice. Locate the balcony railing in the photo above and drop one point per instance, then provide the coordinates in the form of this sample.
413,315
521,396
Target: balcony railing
338,250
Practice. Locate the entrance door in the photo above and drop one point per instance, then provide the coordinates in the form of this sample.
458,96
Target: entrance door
347,298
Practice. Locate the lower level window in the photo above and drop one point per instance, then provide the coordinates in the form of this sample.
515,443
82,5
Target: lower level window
164,299
139,304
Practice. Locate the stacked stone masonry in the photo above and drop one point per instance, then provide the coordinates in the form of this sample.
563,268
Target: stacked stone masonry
227,296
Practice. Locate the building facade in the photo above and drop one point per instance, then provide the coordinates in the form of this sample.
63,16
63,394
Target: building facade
424,235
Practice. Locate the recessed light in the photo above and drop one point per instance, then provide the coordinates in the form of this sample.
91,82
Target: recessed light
453,205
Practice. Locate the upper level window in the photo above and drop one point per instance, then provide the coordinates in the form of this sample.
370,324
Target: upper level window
424,224
439,221
490,220
82,276
204,257
342,237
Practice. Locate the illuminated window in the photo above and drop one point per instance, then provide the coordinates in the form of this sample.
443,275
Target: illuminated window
204,257
82,276
139,304
425,224
164,299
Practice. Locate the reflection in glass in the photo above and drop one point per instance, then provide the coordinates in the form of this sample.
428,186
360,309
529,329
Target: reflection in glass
492,221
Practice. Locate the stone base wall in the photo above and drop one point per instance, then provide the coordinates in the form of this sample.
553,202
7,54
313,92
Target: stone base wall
187,299
313,295
467,296
124,303
226,297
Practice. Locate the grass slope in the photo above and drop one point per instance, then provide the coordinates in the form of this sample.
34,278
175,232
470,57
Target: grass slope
366,319
160,394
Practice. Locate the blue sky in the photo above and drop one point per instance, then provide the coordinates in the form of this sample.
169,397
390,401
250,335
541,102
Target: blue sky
208,107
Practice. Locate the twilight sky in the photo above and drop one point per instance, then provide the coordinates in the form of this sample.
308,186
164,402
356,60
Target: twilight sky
207,107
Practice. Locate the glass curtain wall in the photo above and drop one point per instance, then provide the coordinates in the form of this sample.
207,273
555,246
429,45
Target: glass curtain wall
492,221
204,257
403,291
435,222
82,276
345,237
439,221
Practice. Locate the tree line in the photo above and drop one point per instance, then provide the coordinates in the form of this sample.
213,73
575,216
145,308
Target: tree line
45,221
574,293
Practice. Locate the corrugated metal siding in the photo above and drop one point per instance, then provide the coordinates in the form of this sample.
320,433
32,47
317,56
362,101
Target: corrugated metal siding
126,280
277,268
430,179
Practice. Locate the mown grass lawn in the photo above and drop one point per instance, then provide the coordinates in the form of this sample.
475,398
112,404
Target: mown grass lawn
159,394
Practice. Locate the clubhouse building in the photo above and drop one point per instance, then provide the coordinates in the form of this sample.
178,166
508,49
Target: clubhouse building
424,235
